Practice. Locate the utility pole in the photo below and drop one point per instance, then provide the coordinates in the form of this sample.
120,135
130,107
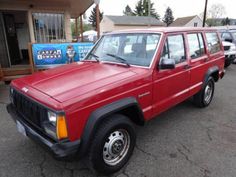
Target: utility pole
205,13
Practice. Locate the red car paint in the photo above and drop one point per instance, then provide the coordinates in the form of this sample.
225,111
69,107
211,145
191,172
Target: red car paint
80,88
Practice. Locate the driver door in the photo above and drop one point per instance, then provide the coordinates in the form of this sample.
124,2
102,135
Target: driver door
171,86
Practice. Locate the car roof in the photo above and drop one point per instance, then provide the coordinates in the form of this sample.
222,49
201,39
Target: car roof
163,30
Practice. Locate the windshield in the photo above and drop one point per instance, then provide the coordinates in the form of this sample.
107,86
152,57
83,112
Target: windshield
131,49
234,34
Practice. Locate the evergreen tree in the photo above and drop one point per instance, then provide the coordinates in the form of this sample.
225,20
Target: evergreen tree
142,7
225,21
168,17
93,19
128,11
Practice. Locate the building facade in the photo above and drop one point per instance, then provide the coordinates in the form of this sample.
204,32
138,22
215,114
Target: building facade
191,21
35,21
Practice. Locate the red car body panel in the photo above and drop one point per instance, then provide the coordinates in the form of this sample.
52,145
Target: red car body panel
80,88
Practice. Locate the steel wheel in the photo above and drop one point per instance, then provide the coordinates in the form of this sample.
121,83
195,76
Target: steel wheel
208,92
116,147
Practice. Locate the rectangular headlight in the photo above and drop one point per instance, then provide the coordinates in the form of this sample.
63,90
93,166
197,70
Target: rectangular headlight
56,126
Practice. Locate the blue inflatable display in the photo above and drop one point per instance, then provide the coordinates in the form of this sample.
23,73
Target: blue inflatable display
51,55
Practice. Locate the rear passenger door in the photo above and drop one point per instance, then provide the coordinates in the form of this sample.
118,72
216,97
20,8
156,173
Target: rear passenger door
171,86
197,60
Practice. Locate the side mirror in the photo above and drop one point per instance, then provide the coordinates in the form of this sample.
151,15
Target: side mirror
167,64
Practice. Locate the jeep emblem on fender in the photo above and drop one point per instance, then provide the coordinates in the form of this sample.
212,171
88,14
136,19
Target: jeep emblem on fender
25,89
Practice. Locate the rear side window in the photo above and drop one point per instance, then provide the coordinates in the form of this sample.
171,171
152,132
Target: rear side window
174,49
213,42
196,45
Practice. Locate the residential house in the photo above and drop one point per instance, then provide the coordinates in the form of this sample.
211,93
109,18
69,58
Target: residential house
191,21
112,23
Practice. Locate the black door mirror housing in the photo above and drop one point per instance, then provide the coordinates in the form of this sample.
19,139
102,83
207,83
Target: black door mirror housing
167,64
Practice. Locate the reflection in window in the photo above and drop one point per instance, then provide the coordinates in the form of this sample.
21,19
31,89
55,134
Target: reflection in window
196,45
136,49
213,42
174,48
48,27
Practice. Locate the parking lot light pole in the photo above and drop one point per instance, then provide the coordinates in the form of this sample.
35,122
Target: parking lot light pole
205,12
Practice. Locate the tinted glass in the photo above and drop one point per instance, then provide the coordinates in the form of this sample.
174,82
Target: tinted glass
213,42
136,49
196,45
174,49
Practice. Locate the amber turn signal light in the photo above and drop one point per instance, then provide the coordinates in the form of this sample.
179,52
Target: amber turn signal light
61,127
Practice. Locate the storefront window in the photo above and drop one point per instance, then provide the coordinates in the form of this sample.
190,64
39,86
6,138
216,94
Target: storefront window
48,27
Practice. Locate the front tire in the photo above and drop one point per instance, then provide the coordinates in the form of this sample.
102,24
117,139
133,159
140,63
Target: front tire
204,97
112,145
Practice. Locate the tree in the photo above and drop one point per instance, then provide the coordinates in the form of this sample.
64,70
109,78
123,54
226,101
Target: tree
168,18
86,27
225,21
215,12
128,11
93,18
142,9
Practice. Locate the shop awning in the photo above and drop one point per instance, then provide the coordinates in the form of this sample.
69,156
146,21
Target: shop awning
75,7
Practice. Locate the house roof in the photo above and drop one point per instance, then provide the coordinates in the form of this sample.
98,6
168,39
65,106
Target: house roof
74,7
135,20
182,21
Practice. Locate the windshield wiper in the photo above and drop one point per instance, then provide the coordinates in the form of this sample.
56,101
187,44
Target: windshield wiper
122,60
95,57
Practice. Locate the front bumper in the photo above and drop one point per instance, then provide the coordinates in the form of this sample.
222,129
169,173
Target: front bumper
230,58
65,149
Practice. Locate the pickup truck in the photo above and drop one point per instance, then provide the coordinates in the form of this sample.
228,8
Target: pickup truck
89,109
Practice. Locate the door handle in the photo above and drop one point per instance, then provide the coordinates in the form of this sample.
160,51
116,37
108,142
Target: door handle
187,66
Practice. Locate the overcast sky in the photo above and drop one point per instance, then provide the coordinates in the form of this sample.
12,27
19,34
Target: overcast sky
180,8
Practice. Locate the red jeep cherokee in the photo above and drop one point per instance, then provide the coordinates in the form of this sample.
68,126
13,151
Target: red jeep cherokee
89,108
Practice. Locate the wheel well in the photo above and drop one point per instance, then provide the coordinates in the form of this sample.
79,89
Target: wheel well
215,75
133,113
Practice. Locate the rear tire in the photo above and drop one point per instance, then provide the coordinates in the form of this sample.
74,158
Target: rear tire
227,64
112,145
204,97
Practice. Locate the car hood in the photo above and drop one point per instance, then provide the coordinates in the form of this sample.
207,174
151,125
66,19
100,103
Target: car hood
65,82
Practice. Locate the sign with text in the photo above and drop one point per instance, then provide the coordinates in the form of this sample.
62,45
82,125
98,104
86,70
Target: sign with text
51,55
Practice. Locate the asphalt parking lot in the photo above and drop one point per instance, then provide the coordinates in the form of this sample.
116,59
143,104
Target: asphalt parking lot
182,142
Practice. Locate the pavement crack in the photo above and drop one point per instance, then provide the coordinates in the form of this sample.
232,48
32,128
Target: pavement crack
147,153
186,148
209,134
205,171
41,166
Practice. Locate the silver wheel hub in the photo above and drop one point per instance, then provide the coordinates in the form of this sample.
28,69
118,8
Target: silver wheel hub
208,93
116,147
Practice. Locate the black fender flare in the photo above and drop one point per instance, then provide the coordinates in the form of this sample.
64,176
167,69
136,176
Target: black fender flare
100,114
209,72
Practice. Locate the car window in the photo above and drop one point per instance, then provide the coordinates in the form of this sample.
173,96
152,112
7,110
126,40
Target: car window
134,48
196,45
174,49
213,42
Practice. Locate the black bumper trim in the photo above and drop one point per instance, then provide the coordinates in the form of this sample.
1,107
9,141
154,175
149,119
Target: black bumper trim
59,149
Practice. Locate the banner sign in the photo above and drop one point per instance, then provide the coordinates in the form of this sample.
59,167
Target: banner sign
51,55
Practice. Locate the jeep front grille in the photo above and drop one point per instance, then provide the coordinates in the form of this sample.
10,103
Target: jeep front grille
32,112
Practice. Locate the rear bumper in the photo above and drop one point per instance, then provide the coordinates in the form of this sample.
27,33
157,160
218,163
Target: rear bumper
60,150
